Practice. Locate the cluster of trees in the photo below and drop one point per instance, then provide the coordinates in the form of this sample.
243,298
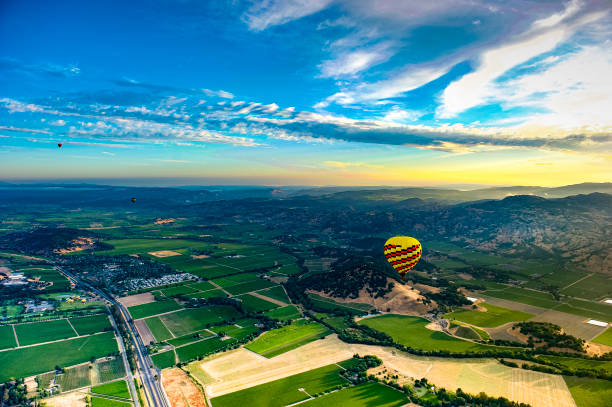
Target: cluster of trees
549,336
356,372
14,393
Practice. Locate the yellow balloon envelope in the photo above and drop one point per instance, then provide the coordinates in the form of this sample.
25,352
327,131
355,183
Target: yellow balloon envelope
403,253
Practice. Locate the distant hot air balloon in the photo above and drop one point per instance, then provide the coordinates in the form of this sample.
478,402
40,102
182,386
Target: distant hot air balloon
59,145
403,253
133,200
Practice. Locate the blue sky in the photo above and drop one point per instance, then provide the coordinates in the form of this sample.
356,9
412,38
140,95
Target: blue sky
319,92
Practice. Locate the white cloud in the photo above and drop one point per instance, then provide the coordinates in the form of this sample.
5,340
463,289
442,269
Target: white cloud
477,88
218,93
386,89
352,62
59,122
269,13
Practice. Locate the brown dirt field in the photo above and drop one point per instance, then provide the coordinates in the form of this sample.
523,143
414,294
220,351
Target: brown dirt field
240,369
200,256
504,332
165,253
72,399
137,299
31,385
465,276
144,331
434,327
426,288
593,348
181,391
401,300
571,324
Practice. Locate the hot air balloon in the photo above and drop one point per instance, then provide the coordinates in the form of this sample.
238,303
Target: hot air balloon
133,200
59,145
403,253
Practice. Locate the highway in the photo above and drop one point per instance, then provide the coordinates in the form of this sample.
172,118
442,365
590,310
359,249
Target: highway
153,391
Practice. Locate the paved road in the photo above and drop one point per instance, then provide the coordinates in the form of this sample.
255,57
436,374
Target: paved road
153,391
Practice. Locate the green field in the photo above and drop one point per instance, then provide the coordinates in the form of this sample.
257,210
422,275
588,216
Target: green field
38,332
158,329
117,388
74,378
593,287
277,293
362,395
91,325
153,308
191,337
175,291
254,285
236,332
201,348
284,391
164,359
236,279
579,363
137,246
587,309
202,285
326,304
530,297
102,402
110,369
284,313
411,331
7,337
195,319
605,338
29,361
495,316
250,303
289,337
589,392
209,294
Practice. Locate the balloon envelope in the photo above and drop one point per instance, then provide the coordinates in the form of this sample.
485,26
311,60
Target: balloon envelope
403,253
133,200
59,145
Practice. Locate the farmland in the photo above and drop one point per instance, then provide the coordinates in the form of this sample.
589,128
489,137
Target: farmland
164,359
289,337
589,392
284,313
153,308
277,293
411,331
201,348
91,324
158,329
37,332
284,391
117,388
104,402
363,395
605,338
592,287
494,316
252,303
7,337
36,359
195,319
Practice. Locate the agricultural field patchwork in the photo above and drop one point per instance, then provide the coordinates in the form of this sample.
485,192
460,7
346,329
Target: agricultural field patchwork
605,338
494,316
164,359
593,287
32,360
289,337
158,329
251,303
104,402
277,293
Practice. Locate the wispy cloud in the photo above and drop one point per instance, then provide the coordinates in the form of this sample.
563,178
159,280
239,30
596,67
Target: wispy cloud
267,13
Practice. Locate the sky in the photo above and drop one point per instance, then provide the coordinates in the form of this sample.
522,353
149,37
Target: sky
307,92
